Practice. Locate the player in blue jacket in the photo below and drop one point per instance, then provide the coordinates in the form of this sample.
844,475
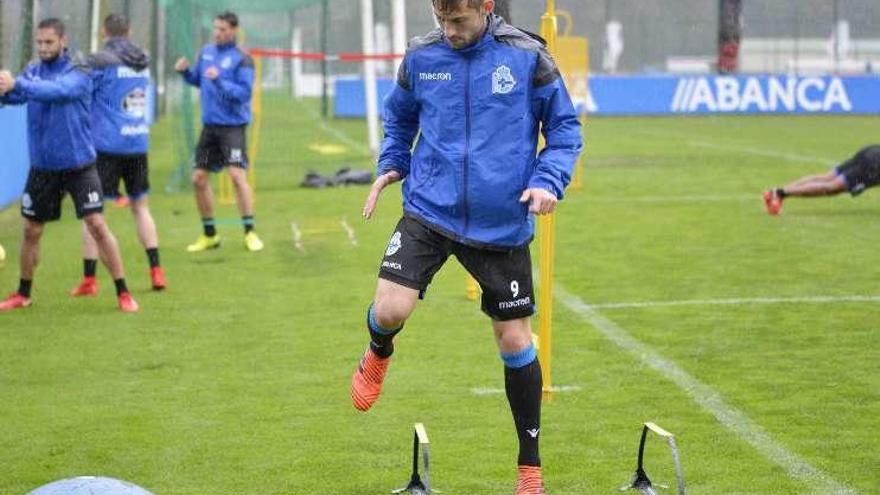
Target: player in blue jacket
121,78
58,92
225,75
477,92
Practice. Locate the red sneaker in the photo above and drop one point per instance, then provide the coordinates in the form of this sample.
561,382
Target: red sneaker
127,303
157,276
530,481
366,382
121,202
88,287
772,201
15,301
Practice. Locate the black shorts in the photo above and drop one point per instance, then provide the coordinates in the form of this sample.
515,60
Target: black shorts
416,252
132,170
862,170
41,201
220,146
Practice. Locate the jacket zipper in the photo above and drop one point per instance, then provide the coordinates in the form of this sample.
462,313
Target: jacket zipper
467,142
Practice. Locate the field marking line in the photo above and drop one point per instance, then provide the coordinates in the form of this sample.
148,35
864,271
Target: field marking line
341,136
349,231
750,150
716,198
297,237
742,301
499,391
708,399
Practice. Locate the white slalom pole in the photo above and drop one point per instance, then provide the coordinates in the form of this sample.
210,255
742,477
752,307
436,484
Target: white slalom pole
296,67
96,21
398,29
368,36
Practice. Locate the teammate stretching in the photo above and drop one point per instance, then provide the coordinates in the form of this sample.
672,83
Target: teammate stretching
58,91
225,75
476,91
121,132
854,175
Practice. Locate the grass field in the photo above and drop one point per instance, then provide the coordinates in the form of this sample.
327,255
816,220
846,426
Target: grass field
754,338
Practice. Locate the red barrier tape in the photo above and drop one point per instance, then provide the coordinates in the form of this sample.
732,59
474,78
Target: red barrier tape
318,56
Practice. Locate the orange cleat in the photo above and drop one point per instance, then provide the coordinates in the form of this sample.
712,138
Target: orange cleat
121,202
127,303
157,276
15,301
88,287
772,201
530,481
366,382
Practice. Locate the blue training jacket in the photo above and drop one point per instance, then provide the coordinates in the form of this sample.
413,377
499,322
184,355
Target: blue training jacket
59,99
226,101
477,113
120,109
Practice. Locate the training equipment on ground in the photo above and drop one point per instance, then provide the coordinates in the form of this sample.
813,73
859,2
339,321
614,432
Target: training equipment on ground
640,480
419,485
90,485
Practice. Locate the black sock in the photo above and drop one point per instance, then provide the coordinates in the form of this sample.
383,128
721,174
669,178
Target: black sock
208,227
780,192
153,256
523,386
90,267
248,222
381,340
24,287
120,286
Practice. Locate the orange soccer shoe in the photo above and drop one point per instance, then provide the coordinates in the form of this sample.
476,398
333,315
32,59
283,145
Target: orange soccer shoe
87,287
157,277
530,481
15,301
366,382
127,303
773,201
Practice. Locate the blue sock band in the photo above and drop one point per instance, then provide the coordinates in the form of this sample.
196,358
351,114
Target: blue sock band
520,359
374,325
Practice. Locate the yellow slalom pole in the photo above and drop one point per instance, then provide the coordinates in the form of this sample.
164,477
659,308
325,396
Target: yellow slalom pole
257,111
549,30
577,182
473,291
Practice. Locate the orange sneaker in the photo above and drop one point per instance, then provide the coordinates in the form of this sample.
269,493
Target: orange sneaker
157,276
530,481
15,301
366,382
87,287
121,202
127,303
772,201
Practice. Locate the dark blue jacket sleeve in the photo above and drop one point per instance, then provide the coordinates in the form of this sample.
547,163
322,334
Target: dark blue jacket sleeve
239,89
401,127
561,128
14,97
71,86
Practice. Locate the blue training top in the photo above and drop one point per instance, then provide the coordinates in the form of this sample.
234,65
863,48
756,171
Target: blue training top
226,101
59,101
121,77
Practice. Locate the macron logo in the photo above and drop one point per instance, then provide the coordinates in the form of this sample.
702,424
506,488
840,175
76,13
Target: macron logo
435,76
533,432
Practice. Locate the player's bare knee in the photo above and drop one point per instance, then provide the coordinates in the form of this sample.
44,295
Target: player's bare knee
392,312
200,179
32,231
96,226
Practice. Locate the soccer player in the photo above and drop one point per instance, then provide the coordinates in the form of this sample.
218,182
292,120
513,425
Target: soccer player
58,92
121,132
476,91
225,74
854,175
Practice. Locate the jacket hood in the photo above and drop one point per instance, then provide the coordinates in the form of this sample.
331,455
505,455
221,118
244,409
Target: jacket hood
130,54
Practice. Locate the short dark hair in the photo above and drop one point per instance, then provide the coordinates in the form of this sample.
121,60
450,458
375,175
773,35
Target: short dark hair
116,25
228,16
54,24
447,5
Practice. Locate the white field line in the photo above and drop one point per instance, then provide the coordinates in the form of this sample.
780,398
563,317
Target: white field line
349,231
499,391
297,236
709,399
708,198
342,137
738,301
749,150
